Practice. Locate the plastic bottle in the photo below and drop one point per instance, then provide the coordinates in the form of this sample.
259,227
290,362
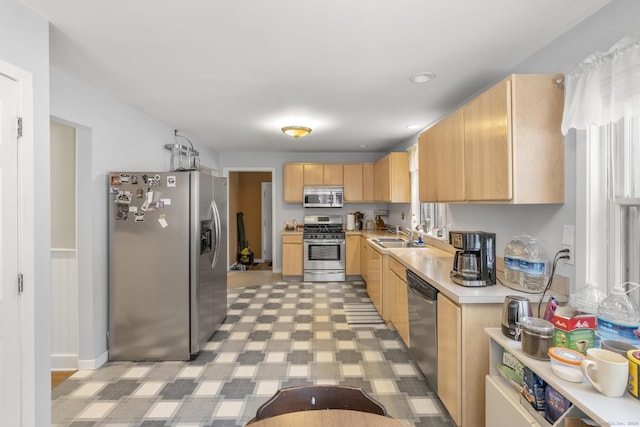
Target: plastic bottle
587,299
618,317
513,254
534,266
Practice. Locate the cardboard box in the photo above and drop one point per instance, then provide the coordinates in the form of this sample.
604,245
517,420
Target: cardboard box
574,329
510,360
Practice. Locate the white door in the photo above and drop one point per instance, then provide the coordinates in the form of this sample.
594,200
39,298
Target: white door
267,221
9,295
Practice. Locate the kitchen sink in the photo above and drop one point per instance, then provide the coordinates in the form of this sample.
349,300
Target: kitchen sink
390,240
396,242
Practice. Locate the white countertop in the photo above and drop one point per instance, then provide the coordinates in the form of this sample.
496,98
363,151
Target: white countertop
610,411
434,266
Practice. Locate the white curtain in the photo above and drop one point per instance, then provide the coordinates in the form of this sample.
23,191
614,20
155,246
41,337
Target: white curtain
604,88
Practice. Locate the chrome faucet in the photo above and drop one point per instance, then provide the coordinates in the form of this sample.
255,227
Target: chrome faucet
408,233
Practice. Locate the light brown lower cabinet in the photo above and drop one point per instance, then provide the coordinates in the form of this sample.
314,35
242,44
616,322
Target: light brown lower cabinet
463,358
374,278
399,299
353,255
292,254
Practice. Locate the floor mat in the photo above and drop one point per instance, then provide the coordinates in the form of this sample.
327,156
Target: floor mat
363,315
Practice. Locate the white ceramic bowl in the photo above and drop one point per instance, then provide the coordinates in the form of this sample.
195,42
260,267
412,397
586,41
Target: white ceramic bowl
565,363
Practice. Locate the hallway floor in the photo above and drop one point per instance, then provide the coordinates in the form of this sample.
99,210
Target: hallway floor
276,335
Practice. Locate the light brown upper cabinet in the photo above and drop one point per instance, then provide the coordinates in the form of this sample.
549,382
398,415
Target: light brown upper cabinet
391,178
358,182
368,181
505,146
319,174
297,175
513,147
441,160
293,182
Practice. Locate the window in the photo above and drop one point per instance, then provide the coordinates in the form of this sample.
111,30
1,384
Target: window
430,217
602,101
612,203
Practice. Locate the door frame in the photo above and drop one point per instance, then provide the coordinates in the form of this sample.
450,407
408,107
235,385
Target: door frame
265,214
225,173
29,384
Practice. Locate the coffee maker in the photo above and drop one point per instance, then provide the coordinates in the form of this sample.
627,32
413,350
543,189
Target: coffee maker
474,263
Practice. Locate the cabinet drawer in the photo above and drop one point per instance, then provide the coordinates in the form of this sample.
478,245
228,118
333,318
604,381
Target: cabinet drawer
292,239
398,268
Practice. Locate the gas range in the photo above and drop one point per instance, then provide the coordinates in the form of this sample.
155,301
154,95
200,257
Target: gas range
323,227
324,249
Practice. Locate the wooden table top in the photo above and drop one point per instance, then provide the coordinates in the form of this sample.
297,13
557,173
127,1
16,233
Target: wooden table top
328,418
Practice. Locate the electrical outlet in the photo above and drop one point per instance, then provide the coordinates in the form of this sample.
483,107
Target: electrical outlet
570,254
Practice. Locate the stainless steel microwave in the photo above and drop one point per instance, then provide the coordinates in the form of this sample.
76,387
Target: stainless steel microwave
315,196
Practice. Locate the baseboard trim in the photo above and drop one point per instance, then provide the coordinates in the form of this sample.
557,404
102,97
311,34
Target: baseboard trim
64,362
93,364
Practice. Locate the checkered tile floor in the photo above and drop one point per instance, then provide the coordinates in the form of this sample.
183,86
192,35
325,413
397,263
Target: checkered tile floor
276,335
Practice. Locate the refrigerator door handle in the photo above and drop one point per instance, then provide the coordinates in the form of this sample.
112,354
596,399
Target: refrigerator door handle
215,214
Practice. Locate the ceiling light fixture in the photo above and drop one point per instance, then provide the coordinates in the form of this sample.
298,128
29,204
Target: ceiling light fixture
422,77
296,131
414,126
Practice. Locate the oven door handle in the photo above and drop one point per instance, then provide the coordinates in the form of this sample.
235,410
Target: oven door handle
324,241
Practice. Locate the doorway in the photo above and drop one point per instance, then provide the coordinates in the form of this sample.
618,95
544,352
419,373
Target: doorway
251,192
64,260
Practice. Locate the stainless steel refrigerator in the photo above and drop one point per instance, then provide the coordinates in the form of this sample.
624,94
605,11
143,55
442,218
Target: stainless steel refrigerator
167,263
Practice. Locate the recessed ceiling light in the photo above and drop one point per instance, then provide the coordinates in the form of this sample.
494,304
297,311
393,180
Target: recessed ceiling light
414,126
422,77
363,145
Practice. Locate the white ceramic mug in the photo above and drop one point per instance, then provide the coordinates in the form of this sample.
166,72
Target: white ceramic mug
607,371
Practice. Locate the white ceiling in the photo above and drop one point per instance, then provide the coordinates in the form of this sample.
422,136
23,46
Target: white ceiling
230,73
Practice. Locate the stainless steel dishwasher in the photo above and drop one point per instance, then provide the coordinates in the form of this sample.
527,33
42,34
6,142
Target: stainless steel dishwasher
423,332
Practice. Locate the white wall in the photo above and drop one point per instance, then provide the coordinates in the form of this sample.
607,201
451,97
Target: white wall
24,42
114,136
63,186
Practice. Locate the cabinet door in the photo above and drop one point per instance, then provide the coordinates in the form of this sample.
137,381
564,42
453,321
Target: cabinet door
374,278
449,357
398,300
368,182
313,174
399,178
364,253
293,182
353,255
503,411
332,174
292,255
487,145
449,158
353,182
427,166
382,169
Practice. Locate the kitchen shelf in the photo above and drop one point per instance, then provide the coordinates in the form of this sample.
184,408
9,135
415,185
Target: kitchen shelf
606,411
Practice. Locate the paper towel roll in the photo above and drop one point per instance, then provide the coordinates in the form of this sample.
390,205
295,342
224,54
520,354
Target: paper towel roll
351,222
